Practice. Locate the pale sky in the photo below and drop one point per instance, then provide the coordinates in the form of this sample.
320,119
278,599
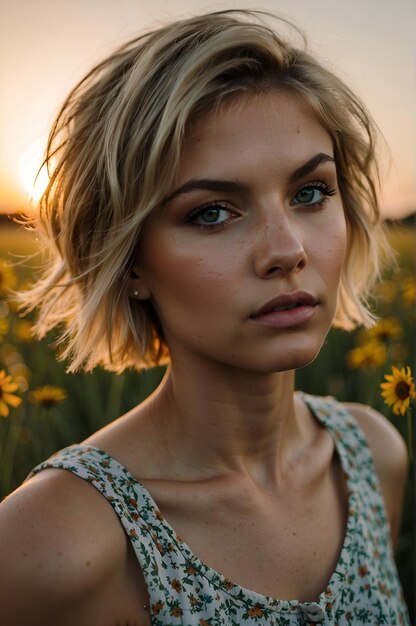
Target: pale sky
46,46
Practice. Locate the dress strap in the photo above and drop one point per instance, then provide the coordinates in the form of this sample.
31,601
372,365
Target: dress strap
153,541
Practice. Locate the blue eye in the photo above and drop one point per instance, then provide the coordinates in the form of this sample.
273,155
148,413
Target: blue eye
211,216
312,195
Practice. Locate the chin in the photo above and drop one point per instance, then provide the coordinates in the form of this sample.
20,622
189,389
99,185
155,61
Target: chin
292,359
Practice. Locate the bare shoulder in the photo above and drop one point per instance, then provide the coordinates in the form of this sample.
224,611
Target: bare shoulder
390,457
386,443
59,543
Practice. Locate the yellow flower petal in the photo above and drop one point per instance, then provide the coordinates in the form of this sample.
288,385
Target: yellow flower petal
13,401
368,356
7,385
47,396
399,390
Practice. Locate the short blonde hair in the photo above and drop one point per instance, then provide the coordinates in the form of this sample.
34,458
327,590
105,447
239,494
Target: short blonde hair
113,153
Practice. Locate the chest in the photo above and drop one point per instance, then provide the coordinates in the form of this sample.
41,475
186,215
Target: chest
286,548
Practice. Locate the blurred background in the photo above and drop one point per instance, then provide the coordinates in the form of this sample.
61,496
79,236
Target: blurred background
45,48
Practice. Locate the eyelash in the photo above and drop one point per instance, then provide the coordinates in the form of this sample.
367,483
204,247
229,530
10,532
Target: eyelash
321,185
215,204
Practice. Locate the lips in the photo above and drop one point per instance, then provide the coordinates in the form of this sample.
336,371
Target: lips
286,302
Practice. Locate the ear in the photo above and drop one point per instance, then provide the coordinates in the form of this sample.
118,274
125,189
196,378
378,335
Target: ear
137,288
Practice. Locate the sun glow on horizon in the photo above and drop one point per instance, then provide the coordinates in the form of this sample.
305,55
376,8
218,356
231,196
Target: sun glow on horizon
33,177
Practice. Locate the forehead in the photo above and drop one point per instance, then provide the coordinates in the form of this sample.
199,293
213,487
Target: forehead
277,129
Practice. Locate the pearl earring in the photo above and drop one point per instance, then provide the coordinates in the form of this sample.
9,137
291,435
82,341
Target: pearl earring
135,293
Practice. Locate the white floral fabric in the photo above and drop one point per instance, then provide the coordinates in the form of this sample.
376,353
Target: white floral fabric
364,588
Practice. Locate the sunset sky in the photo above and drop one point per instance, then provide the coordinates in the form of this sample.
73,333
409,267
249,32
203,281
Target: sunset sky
47,46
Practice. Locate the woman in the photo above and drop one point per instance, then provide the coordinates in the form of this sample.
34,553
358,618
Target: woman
212,202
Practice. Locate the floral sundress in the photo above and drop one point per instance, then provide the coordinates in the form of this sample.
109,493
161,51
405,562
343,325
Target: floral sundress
364,588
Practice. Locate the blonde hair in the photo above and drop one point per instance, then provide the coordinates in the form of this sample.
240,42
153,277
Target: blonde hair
113,153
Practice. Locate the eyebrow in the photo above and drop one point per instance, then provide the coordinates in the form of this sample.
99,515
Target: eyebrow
229,186
310,166
209,184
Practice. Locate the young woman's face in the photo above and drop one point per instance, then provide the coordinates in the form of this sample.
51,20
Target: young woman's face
244,262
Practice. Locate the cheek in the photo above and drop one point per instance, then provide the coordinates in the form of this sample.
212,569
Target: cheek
330,252
336,250
178,274
184,261
340,240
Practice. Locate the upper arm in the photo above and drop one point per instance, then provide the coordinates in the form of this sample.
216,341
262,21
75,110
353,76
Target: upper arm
390,459
55,559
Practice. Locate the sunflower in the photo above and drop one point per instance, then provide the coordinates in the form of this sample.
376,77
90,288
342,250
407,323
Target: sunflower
8,279
7,399
399,390
385,330
370,355
47,396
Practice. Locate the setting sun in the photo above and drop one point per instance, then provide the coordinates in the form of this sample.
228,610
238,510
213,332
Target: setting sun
33,177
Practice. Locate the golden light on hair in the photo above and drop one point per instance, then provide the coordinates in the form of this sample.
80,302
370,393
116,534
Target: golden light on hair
116,143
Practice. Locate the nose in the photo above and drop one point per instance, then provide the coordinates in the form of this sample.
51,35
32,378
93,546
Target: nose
279,249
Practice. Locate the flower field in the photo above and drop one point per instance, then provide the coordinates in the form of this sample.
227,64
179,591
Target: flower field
42,408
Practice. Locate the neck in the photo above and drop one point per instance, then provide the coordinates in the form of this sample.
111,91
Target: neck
220,420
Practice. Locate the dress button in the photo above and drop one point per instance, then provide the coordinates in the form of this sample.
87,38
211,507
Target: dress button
313,613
